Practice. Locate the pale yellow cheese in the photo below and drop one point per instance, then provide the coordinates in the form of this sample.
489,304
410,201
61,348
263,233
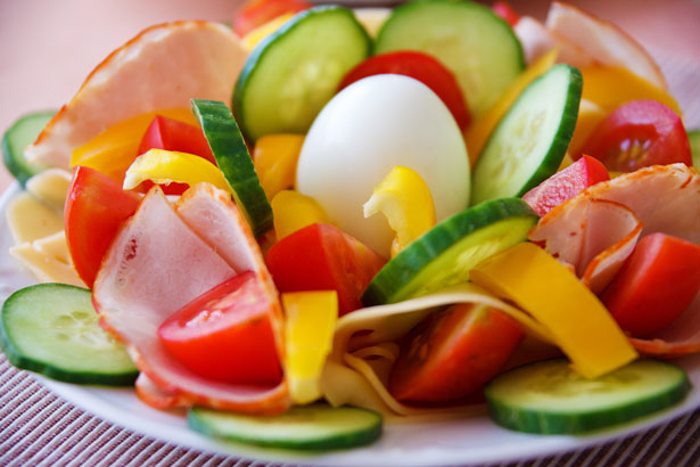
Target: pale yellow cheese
29,219
50,187
45,267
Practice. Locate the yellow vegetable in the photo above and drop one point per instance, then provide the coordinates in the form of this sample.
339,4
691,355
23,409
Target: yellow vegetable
310,323
111,151
578,322
164,167
405,199
254,37
292,211
480,130
590,115
275,159
610,87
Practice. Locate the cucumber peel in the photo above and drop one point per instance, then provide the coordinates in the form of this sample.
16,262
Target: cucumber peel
231,154
53,329
21,134
444,255
550,398
312,427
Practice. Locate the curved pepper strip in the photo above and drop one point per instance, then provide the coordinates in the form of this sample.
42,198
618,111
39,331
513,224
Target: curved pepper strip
579,323
112,151
480,130
163,166
275,159
292,211
311,319
405,200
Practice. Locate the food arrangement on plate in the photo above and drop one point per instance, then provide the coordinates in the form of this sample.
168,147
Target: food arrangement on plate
325,219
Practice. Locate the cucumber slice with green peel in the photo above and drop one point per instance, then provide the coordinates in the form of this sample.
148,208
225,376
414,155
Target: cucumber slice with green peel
694,139
531,140
53,329
550,398
292,74
311,427
231,154
469,39
21,134
444,255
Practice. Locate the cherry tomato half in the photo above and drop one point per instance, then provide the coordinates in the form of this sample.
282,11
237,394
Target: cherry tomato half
226,334
639,134
655,285
255,13
96,207
423,67
453,353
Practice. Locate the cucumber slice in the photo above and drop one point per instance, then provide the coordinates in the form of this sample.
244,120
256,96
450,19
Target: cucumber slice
311,427
694,139
469,39
53,329
530,141
293,73
231,154
550,398
21,134
445,254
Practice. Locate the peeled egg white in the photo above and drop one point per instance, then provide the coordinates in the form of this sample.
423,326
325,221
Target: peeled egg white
367,129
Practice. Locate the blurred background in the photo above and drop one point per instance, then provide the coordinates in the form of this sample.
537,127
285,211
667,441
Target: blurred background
48,47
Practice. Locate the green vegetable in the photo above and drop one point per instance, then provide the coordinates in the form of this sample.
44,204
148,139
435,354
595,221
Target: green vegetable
21,134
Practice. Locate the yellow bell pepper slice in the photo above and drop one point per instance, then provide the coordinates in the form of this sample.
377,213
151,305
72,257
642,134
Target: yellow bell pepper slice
257,35
480,130
309,325
164,167
579,323
113,150
292,211
590,115
405,200
610,87
275,159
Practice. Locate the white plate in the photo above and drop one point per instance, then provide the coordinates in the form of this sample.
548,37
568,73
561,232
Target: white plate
465,441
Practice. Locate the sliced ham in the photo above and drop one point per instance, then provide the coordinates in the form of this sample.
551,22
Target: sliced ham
682,337
538,40
156,265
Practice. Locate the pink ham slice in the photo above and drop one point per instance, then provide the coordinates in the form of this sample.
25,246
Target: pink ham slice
156,265
663,199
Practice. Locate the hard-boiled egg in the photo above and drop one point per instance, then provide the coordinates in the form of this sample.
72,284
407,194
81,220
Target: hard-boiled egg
367,129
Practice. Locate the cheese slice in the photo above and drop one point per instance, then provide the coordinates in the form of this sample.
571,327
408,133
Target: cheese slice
29,219
50,187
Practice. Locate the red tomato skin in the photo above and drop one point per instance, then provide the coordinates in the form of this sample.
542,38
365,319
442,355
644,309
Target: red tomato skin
323,257
226,334
422,67
565,184
454,353
96,208
656,127
656,284
255,13
173,135
507,12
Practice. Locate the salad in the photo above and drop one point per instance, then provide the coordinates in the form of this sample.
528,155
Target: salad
326,219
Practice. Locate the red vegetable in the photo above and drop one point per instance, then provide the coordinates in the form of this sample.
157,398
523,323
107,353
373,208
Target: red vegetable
655,285
255,13
506,11
566,184
639,134
96,207
226,334
453,354
323,257
423,67
173,135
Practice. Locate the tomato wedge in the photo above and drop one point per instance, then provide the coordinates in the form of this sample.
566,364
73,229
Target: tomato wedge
655,285
423,67
255,13
96,207
226,334
173,135
323,257
507,12
453,353
639,134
